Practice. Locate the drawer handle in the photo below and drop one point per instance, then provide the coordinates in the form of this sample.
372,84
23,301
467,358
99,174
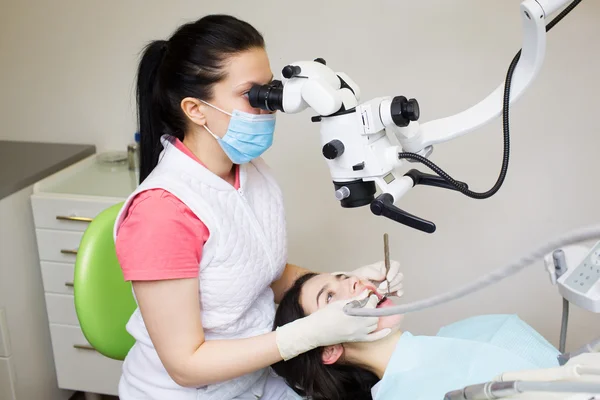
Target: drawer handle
77,219
69,284
65,251
84,347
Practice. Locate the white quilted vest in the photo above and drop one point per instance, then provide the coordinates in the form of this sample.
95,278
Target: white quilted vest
246,251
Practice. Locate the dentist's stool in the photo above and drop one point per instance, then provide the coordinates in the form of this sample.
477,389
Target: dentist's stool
103,299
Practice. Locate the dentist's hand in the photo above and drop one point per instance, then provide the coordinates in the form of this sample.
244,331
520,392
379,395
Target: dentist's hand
376,273
327,326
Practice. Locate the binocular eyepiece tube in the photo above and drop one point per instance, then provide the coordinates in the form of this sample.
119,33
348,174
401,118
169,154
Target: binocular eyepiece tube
267,97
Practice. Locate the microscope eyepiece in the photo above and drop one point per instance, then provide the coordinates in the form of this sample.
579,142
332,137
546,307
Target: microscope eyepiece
267,97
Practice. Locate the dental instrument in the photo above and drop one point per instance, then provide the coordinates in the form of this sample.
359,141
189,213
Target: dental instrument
579,369
360,303
499,390
365,144
386,260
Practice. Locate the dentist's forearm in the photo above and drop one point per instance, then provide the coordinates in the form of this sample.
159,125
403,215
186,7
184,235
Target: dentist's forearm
221,360
173,317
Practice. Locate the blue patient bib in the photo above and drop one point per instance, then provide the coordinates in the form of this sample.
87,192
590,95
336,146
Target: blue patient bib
474,350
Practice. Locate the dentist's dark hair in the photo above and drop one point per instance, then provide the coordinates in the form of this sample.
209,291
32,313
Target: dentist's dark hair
189,64
306,373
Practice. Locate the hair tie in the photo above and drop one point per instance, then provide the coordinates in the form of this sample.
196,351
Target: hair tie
164,45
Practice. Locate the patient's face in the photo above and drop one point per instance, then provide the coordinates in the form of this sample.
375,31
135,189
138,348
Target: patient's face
323,289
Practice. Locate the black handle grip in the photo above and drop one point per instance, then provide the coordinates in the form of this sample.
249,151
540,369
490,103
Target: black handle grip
421,178
384,205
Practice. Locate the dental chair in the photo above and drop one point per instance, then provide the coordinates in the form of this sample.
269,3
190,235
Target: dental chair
103,299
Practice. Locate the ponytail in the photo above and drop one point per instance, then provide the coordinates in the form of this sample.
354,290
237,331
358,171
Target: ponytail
149,110
187,65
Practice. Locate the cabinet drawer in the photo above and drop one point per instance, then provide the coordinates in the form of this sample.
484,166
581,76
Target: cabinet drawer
80,368
66,214
61,309
58,246
58,277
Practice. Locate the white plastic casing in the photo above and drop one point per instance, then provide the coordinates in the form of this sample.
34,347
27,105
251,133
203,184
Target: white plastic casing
318,87
358,148
551,6
581,283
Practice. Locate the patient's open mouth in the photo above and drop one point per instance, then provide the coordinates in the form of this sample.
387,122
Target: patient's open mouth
382,298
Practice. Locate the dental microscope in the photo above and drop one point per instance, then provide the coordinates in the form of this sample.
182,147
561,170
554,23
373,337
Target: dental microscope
367,145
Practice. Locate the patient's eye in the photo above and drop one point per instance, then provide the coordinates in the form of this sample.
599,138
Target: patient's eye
342,276
329,296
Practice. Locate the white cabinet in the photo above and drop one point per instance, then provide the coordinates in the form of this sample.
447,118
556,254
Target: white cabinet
63,205
27,369
7,380
7,374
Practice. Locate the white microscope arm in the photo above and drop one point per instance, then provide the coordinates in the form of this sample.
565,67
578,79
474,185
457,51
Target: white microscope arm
415,138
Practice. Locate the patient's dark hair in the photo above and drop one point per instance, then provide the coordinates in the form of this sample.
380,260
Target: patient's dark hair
306,373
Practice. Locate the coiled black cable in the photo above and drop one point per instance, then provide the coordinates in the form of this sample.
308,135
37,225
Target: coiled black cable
505,127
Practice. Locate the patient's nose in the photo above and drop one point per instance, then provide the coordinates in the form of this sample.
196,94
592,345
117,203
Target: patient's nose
355,285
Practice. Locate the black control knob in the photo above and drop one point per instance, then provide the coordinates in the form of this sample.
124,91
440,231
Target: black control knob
403,110
289,71
333,149
411,110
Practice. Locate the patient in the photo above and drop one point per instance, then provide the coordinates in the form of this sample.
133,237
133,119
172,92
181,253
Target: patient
403,366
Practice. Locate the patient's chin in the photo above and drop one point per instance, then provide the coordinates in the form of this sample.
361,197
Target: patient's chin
390,321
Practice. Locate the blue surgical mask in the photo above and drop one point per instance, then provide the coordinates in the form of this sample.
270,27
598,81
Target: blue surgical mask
248,135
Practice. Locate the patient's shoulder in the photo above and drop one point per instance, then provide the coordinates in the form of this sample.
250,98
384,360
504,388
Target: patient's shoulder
480,328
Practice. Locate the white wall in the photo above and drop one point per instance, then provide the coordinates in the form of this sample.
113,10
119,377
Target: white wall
67,72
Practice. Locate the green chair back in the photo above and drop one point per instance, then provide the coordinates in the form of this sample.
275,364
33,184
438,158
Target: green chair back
103,299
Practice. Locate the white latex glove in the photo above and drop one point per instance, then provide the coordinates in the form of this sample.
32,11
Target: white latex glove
327,326
376,273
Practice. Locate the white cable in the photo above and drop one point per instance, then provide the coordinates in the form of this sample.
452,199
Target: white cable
576,236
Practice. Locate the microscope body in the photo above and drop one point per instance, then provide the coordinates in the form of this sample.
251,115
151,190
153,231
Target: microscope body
359,141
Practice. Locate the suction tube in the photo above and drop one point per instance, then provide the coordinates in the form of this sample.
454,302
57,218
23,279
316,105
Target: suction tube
573,237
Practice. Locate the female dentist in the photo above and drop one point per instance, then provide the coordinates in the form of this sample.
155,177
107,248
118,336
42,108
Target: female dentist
203,238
